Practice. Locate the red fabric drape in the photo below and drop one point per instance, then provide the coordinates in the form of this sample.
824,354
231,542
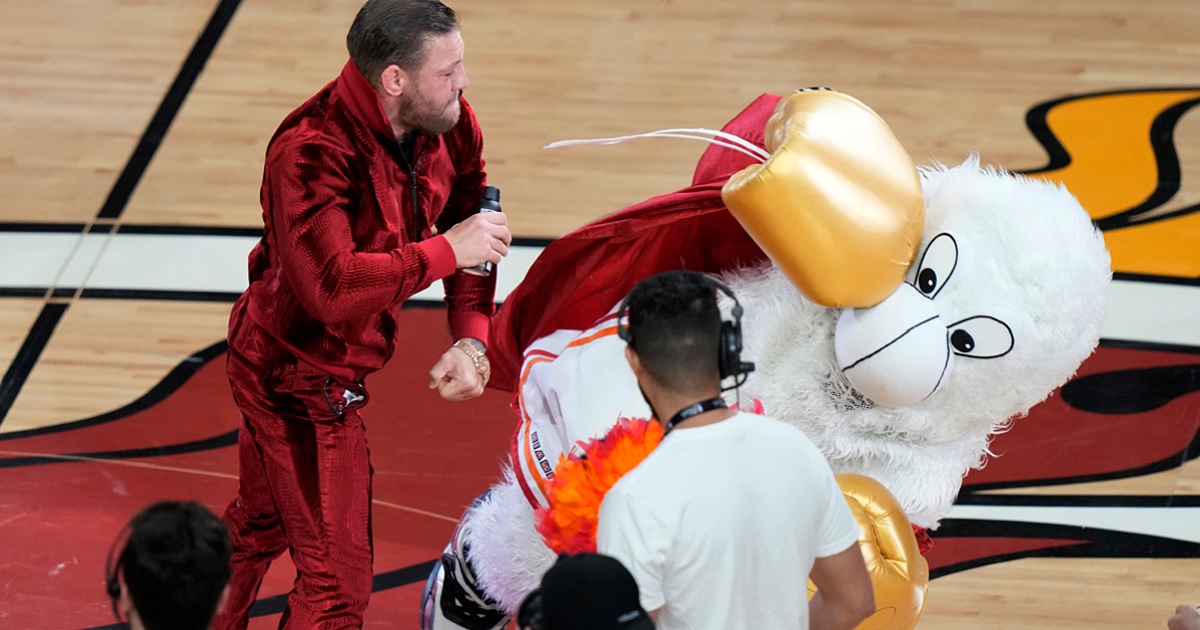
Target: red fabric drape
581,275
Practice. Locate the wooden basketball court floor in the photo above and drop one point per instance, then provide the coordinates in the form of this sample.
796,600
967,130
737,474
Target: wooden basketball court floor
131,141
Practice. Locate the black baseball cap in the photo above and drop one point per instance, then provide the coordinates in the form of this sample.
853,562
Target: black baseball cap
591,592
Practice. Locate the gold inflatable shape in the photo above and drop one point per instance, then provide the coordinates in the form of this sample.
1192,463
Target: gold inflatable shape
899,573
838,205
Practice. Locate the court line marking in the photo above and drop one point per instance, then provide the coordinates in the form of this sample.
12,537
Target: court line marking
207,473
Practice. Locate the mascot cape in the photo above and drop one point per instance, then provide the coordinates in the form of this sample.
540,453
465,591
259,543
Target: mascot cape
580,276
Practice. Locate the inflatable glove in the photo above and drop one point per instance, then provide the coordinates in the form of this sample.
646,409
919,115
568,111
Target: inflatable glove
838,205
899,573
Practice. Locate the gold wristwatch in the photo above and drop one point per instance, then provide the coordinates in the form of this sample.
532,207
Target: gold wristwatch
474,349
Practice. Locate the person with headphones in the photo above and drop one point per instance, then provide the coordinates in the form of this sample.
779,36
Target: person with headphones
724,522
172,568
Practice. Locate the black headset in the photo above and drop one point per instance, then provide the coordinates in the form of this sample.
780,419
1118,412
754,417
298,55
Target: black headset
729,346
112,569
529,615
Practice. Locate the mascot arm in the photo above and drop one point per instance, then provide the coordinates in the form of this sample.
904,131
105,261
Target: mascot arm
899,573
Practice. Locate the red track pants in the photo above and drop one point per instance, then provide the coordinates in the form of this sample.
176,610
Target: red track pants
305,485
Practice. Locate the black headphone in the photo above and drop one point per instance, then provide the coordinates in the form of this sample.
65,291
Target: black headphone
112,569
529,615
729,346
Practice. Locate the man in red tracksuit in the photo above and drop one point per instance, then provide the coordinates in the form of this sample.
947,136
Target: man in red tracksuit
369,195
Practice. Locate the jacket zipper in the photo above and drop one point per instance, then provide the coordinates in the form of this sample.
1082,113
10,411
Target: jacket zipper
412,185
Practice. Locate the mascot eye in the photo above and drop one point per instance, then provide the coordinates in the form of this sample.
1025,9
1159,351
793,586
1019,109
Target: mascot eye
981,337
937,265
962,341
927,281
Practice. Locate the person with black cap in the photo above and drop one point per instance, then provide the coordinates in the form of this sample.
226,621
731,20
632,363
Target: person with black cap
586,591
724,522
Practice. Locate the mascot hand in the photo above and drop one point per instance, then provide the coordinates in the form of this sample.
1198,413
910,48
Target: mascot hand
838,205
899,572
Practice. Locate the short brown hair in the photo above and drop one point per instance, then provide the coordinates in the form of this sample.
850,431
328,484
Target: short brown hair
394,32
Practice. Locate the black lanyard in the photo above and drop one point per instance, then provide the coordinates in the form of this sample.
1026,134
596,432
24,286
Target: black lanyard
694,410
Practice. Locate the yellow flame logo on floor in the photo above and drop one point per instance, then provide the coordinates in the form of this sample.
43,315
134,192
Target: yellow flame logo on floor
1116,152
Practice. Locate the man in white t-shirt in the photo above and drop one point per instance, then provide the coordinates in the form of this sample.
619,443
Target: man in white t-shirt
726,520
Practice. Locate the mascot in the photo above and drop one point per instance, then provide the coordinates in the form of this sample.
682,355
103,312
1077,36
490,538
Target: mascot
899,316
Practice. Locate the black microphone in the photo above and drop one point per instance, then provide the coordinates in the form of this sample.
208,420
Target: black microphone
490,202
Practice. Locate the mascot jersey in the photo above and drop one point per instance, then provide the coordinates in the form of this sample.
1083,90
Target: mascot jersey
574,385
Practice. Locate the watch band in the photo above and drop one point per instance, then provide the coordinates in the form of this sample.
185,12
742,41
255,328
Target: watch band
482,365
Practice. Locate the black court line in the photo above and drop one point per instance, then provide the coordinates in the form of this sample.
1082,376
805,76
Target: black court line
148,145
1083,500
1189,452
1129,344
32,226
1147,278
229,438
28,355
1080,542
161,295
118,197
381,582
191,230
164,388
25,292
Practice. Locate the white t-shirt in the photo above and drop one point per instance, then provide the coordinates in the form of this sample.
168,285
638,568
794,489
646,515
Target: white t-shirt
720,525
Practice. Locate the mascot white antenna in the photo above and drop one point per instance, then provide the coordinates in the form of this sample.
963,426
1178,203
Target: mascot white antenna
720,138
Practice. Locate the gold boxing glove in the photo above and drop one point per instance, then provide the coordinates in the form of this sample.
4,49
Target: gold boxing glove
838,206
899,573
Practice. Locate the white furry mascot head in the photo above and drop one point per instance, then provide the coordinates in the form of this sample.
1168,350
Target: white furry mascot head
1001,304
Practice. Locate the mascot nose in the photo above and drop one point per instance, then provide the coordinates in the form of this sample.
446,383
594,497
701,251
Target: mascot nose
895,353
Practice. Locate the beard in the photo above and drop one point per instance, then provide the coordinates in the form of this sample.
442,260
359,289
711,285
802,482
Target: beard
424,115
